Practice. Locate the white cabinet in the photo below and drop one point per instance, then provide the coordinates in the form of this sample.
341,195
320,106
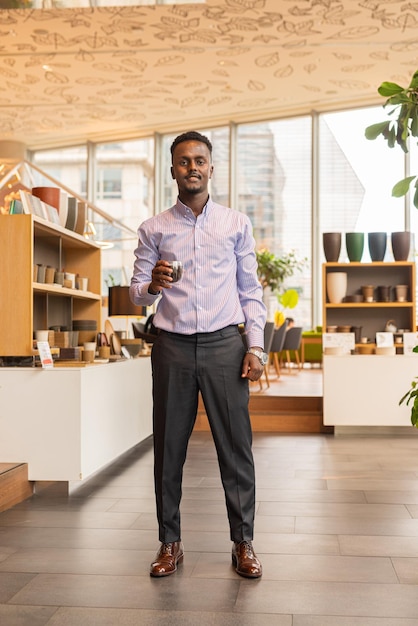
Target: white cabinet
67,423
364,390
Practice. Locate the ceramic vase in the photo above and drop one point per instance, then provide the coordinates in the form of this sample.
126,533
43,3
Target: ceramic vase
401,242
336,286
332,246
50,195
383,293
401,292
377,246
368,292
354,243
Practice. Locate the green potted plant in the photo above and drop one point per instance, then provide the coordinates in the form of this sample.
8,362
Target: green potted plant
402,125
273,271
398,131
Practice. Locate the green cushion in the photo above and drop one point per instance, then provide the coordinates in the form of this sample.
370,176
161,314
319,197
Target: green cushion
313,352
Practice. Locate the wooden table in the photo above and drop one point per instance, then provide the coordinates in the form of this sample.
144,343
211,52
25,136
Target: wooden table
308,341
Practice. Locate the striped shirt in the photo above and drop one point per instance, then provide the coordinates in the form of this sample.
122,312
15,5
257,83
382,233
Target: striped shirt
219,286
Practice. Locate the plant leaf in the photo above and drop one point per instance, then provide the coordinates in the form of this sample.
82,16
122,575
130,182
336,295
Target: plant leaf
373,131
399,98
414,81
389,89
402,187
414,123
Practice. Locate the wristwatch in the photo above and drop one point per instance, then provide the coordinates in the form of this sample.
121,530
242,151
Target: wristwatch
263,357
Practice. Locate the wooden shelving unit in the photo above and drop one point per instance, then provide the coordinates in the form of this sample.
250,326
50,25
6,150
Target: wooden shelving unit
371,316
26,306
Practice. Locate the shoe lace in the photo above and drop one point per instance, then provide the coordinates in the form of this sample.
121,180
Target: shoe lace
168,547
247,547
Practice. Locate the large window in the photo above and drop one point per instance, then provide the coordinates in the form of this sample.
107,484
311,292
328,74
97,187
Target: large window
274,190
66,165
273,184
124,181
122,188
356,177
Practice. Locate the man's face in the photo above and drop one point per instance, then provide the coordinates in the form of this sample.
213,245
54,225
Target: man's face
192,167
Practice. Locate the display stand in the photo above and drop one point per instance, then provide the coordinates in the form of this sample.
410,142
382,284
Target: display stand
68,423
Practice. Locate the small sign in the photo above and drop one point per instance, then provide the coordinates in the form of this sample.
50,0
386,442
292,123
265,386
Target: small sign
45,354
344,340
410,340
384,340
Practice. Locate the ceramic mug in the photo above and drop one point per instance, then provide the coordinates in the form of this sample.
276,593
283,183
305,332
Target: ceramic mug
88,356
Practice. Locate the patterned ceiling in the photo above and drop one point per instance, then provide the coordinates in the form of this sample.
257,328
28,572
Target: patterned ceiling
69,75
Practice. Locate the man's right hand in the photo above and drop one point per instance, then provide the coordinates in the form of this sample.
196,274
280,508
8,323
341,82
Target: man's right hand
161,277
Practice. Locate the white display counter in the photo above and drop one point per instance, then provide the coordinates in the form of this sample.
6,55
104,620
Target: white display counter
67,423
364,390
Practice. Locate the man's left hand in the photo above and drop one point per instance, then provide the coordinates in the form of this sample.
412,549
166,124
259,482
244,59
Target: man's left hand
251,367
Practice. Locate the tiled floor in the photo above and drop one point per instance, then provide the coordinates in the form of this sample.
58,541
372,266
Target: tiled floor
336,530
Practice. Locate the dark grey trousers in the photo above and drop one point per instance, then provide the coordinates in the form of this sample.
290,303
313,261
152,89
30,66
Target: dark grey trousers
183,365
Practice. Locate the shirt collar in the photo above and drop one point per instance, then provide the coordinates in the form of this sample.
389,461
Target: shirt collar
185,211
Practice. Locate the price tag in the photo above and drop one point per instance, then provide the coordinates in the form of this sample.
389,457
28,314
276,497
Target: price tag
410,340
384,339
45,355
343,340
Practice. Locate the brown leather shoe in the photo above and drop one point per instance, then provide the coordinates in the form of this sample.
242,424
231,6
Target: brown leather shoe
245,560
167,558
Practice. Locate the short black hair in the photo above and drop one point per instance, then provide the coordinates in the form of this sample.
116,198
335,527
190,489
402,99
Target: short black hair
190,135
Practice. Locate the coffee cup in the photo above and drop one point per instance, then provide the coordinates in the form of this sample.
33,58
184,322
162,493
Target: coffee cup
177,267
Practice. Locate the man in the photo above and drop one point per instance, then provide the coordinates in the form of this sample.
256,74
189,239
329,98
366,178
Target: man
199,346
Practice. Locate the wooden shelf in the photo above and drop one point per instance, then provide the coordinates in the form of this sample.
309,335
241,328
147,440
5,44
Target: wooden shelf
27,240
75,293
371,316
368,305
